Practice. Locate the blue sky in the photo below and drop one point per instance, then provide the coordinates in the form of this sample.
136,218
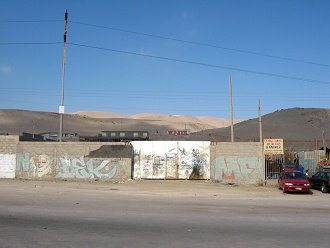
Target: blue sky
120,78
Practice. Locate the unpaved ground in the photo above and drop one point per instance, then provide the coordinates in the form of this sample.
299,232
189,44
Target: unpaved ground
159,214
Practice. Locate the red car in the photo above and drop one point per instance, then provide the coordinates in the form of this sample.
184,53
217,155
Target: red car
293,181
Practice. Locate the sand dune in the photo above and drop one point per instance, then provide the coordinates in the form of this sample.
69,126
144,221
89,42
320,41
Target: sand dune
302,125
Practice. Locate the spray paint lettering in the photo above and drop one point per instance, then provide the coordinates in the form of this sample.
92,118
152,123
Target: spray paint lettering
234,168
86,168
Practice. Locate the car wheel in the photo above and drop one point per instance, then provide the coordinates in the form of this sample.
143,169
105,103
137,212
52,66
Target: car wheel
323,188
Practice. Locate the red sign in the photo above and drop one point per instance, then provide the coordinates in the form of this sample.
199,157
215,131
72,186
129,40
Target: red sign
178,132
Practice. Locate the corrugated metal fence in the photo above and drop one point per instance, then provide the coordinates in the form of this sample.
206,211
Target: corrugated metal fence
308,159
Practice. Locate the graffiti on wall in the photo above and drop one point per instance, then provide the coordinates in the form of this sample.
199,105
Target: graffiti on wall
172,166
23,162
41,165
152,166
86,168
171,160
7,165
193,163
35,165
234,168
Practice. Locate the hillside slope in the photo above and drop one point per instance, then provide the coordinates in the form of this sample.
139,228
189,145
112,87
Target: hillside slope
15,121
296,124
291,124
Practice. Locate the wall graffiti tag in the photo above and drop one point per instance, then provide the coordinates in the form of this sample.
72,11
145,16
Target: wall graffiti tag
86,168
193,164
234,169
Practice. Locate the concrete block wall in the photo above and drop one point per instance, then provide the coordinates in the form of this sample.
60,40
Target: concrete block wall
237,162
74,160
8,147
225,162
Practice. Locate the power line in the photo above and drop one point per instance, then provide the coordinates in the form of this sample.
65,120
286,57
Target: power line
174,39
29,43
134,108
203,44
204,64
29,21
149,94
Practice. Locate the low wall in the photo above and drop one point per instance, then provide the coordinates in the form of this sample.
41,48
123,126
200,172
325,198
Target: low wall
8,146
72,160
237,162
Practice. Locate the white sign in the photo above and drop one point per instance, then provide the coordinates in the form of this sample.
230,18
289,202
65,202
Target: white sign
273,146
61,109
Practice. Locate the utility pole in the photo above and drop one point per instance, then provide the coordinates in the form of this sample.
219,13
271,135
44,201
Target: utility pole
260,122
323,141
231,110
61,107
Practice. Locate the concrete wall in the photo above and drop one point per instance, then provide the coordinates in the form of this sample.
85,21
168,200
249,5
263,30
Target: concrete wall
171,159
83,160
238,162
8,144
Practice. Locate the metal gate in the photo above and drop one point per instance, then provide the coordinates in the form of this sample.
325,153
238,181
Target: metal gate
273,163
171,159
273,166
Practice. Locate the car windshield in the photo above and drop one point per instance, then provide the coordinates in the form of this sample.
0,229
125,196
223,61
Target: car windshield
294,175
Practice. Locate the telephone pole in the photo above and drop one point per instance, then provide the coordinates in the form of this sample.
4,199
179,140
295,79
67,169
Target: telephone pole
61,107
260,122
231,110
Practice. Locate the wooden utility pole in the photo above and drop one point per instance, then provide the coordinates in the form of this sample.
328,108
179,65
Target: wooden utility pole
61,107
260,121
231,110
323,143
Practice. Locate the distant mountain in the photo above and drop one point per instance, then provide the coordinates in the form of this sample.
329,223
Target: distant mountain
85,123
206,121
296,126
299,127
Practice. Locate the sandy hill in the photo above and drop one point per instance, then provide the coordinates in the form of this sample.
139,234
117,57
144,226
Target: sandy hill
300,125
84,123
205,122
297,126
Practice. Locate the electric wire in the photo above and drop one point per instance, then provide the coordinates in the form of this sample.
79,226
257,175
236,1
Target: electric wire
30,43
203,44
203,64
29,21
149,93
174,39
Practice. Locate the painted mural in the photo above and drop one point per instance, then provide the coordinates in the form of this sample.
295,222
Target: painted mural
37,166
171,160
233,169
7,165
40,166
